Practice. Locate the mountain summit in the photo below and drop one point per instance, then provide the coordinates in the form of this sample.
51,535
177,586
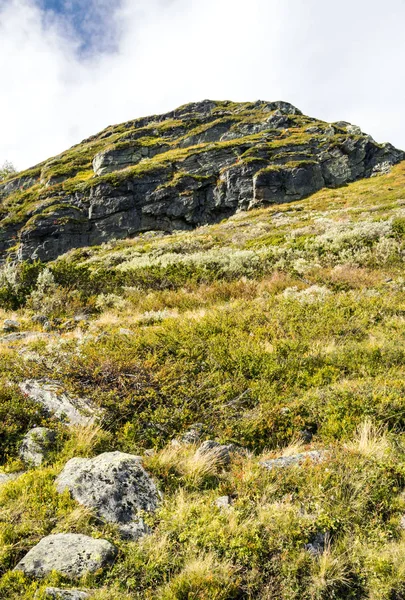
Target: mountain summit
195,165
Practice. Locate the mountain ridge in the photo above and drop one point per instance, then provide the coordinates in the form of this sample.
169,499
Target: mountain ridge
195,165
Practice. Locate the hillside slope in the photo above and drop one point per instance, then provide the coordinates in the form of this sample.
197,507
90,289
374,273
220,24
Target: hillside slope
195,165
255,365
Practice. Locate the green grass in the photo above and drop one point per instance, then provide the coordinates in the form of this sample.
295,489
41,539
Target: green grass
280,330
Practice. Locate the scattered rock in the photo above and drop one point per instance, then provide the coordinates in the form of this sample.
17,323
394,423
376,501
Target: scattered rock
36,445
25,335
50,394
72,555
306,435
64,594
223,502
39,319
193,435
297,459
11,325
116,486
123,331
317,545
220,453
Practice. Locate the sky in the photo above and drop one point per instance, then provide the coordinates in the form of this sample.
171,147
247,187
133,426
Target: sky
70,68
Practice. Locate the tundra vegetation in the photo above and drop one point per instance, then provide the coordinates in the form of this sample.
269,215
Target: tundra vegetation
280,330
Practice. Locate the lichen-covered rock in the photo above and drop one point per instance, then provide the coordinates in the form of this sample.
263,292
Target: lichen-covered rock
115,486
36,445
50,394
66,594
313,456
72,555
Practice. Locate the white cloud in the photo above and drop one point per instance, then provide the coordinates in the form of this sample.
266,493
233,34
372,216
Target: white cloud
334,60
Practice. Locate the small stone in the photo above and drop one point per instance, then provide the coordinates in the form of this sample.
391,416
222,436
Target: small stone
306,435
11,325
116,486
72,555
317,545
64,594
39,319
314,456
223,502
219,452
36,445
123,331
193,435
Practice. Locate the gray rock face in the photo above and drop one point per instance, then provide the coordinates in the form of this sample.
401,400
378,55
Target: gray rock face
36,445
72,555
195,165
74,411
314,456
116,486
65,594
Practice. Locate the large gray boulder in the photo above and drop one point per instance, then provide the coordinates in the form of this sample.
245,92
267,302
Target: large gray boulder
51,395
72,555
36,445
116,486
65,594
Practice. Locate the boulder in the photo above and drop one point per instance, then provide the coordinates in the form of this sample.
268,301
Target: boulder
50,394
65,594
314,456
115,486
36,445
72,555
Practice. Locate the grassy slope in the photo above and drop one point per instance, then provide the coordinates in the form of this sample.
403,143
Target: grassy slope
274,323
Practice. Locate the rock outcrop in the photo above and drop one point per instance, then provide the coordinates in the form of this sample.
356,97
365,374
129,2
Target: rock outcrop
72,555
195,165
73,411
116,486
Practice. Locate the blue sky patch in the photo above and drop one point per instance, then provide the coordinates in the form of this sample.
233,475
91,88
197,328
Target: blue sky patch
92,21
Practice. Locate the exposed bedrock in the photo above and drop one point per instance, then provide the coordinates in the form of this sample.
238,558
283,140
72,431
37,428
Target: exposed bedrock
193,166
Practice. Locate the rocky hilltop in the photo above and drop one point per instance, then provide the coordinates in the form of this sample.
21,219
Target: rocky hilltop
195,165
